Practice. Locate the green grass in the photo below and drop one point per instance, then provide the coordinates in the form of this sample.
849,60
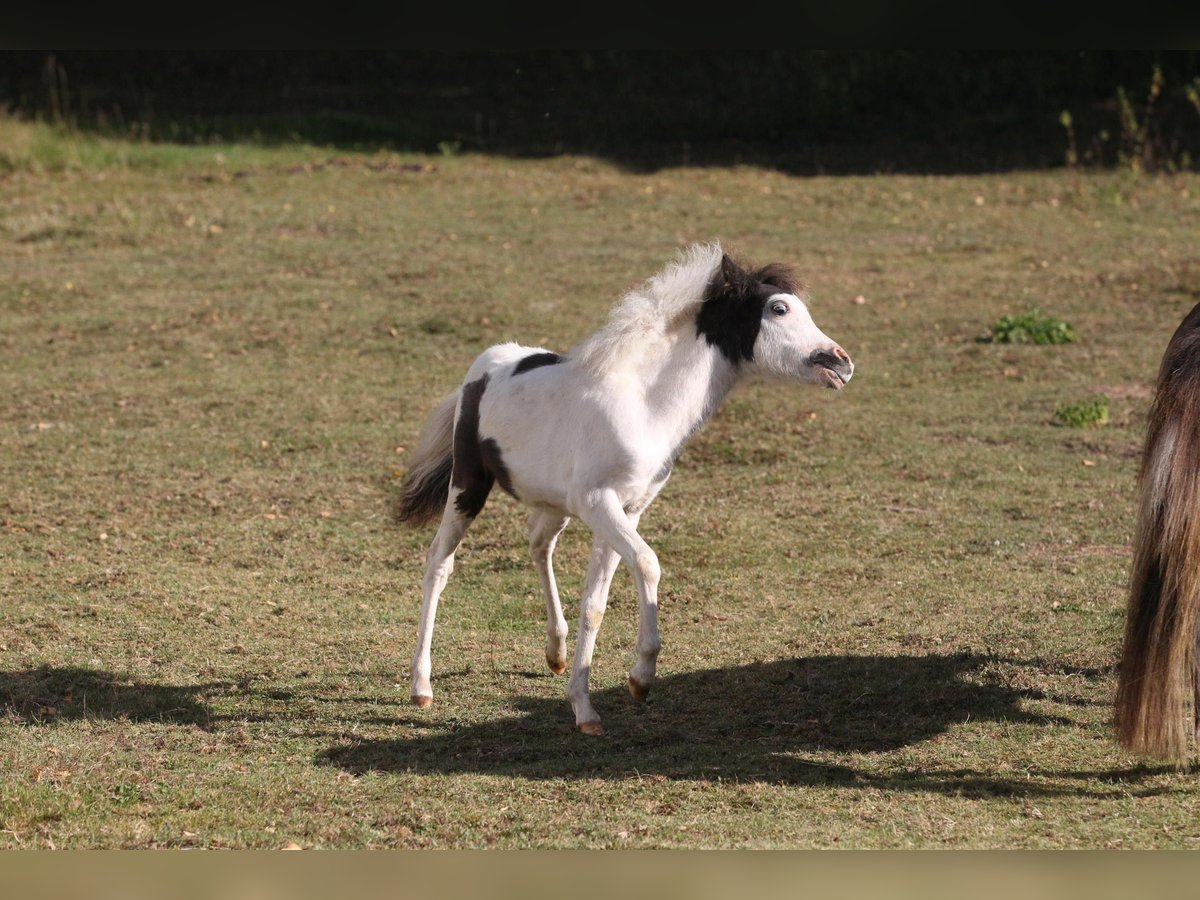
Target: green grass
42,147
1083,414
1032,327
890,615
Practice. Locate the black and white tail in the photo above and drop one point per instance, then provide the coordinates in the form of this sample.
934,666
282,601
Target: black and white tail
427,484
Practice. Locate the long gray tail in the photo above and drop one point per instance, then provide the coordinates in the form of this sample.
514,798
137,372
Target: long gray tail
427,484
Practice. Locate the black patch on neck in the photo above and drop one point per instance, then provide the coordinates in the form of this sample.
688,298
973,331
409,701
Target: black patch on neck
731,313
535,361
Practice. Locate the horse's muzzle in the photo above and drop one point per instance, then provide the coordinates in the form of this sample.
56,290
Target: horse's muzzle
833,366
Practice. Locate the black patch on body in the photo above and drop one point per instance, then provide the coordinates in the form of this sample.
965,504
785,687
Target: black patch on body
470,475
477,464
731,314
535,361
489,450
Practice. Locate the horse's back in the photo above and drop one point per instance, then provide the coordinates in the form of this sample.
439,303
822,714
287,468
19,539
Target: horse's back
500,359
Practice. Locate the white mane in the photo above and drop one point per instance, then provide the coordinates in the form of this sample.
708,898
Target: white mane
648,318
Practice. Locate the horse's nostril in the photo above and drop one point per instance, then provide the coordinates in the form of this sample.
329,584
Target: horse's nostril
835,358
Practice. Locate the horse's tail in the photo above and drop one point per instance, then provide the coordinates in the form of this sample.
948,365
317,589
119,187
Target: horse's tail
427,484
1158,683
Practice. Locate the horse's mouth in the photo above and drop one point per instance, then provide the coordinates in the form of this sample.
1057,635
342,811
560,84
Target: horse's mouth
832,378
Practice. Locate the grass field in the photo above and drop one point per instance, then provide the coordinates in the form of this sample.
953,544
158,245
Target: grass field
890,616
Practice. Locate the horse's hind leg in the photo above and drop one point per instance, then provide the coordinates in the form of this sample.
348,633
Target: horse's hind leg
544,529
437,573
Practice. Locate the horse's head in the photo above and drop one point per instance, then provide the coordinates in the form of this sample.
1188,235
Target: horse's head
758,318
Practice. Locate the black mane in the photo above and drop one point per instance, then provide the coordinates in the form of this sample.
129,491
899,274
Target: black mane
731,313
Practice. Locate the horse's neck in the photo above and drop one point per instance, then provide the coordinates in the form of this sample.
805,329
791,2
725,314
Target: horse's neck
684,387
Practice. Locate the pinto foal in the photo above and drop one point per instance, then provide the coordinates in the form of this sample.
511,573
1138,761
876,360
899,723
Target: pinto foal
594,434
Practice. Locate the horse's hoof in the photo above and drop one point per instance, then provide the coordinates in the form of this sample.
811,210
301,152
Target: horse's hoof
422,700
637,690
557,666
593,727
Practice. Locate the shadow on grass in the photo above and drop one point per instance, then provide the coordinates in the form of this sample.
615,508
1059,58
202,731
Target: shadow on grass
757,723
50,694
798,111
774,722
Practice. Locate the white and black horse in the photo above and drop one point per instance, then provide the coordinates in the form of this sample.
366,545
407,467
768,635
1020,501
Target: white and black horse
594,433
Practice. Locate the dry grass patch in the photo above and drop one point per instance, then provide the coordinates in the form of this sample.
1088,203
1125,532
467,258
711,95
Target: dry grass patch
890,616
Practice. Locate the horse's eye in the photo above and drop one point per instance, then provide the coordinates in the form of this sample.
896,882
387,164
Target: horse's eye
780,309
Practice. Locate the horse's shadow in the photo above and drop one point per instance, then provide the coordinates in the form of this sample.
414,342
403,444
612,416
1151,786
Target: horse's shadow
778,722
773,722
50,694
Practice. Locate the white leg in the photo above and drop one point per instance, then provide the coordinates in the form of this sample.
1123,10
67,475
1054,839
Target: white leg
544,529
601,567
437,573
605,516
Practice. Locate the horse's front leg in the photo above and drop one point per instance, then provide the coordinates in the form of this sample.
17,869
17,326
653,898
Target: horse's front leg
602,565
608,519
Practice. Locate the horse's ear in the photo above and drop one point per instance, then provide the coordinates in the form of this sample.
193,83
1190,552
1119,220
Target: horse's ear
731,271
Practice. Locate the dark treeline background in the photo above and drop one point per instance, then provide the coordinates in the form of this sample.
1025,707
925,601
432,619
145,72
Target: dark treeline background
800,111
